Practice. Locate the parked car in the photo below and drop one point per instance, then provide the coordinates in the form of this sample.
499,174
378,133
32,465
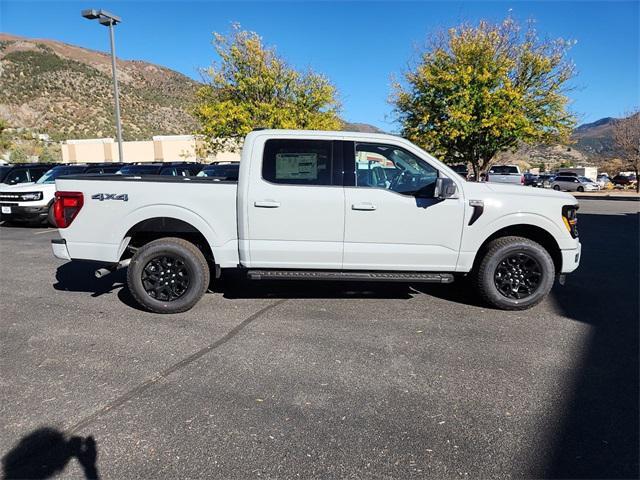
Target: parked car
299,212
505,174
33,202
23,172
532,180
174,169
603,180
623,180
545,180
223,171
574,184
461,169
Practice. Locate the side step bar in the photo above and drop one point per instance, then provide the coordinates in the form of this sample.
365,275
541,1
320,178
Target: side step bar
426,277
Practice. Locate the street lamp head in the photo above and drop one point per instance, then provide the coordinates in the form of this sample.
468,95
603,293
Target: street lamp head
104,17
90,14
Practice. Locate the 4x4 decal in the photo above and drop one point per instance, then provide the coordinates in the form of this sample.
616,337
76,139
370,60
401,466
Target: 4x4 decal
110,196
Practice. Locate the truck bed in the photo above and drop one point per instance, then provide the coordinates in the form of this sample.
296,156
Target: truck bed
121,202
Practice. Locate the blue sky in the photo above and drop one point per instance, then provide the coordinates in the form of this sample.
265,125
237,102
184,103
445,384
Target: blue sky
358,45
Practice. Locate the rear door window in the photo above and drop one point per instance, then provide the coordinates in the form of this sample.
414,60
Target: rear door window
298,162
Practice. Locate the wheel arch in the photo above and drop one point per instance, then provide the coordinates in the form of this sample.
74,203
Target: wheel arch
150,229
525,230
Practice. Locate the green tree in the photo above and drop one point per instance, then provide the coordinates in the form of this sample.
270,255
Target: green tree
626,138
479,90
251,86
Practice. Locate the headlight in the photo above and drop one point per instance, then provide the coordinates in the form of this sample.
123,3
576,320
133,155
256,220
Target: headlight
570,219
31,196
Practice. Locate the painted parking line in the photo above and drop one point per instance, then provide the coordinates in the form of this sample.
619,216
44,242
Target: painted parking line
53,230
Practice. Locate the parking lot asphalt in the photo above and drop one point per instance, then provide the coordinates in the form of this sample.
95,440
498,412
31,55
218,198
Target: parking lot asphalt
300,380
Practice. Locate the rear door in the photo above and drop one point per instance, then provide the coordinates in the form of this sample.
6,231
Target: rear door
295,204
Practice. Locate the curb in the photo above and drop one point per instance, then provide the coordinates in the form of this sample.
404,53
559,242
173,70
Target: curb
623,198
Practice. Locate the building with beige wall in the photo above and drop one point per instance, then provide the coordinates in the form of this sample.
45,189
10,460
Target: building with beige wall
161,148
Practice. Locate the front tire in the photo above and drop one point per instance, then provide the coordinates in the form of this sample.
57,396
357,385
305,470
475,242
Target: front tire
168,275
581,189
515,273
556,187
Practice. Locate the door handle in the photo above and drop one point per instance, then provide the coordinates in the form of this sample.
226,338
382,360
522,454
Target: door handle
363,206
267,204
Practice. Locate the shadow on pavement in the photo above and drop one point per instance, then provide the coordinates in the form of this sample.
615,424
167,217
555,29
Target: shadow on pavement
45,453
599,436
78,276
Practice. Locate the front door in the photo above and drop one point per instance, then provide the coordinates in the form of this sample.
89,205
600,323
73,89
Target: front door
295,206
392,220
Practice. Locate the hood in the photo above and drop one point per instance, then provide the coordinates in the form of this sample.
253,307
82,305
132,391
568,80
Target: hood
519,190
14,188
28,187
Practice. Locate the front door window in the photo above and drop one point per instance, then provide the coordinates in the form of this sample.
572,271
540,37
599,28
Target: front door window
395,169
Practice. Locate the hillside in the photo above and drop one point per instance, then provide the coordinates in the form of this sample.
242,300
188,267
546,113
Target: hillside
596,138
66,91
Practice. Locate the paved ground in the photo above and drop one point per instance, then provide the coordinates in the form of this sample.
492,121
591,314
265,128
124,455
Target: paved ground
309,380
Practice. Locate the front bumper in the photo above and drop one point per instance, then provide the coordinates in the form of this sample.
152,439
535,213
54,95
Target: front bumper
59,247
16,212
571,258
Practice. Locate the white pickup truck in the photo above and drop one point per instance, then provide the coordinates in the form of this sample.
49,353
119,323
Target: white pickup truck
316,205
505,174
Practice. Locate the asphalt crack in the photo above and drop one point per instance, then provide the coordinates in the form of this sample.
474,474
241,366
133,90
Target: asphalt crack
144,386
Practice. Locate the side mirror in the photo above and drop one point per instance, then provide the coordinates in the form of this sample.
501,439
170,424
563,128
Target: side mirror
445,188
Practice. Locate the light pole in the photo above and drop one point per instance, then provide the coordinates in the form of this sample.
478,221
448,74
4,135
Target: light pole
109,20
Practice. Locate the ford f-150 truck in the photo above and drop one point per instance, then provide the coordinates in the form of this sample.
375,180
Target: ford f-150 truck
306,208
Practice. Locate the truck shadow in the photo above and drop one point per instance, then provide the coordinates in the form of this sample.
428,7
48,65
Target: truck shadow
598,437
46,452
78,276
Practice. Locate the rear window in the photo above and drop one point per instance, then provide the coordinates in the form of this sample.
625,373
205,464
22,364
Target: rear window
226,172
139,170
504,170
298,162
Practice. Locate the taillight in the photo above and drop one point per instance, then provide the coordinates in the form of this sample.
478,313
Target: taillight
66,207
521,179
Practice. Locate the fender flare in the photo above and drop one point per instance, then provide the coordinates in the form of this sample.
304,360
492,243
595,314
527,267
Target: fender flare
168,211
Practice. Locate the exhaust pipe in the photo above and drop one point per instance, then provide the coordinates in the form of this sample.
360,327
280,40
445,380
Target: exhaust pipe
103,272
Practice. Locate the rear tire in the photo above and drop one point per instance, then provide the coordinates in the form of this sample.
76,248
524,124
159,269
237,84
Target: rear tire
168,275
515,273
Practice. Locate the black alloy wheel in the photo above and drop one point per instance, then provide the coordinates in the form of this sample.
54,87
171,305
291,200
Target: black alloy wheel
166,278
518,276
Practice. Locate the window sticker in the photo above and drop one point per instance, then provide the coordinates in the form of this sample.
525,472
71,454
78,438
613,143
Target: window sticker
297,166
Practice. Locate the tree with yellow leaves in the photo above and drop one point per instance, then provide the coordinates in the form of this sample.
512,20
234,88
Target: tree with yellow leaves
251,86
479,90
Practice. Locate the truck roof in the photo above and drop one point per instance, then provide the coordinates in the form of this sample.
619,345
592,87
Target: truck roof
323,133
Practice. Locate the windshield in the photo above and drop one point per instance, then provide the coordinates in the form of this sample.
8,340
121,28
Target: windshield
139,170
3,172
55,172
229,172
586,180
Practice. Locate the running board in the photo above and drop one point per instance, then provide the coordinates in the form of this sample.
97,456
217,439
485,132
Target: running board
350,276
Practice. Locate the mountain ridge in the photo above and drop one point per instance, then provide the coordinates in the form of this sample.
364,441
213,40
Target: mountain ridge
66,91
